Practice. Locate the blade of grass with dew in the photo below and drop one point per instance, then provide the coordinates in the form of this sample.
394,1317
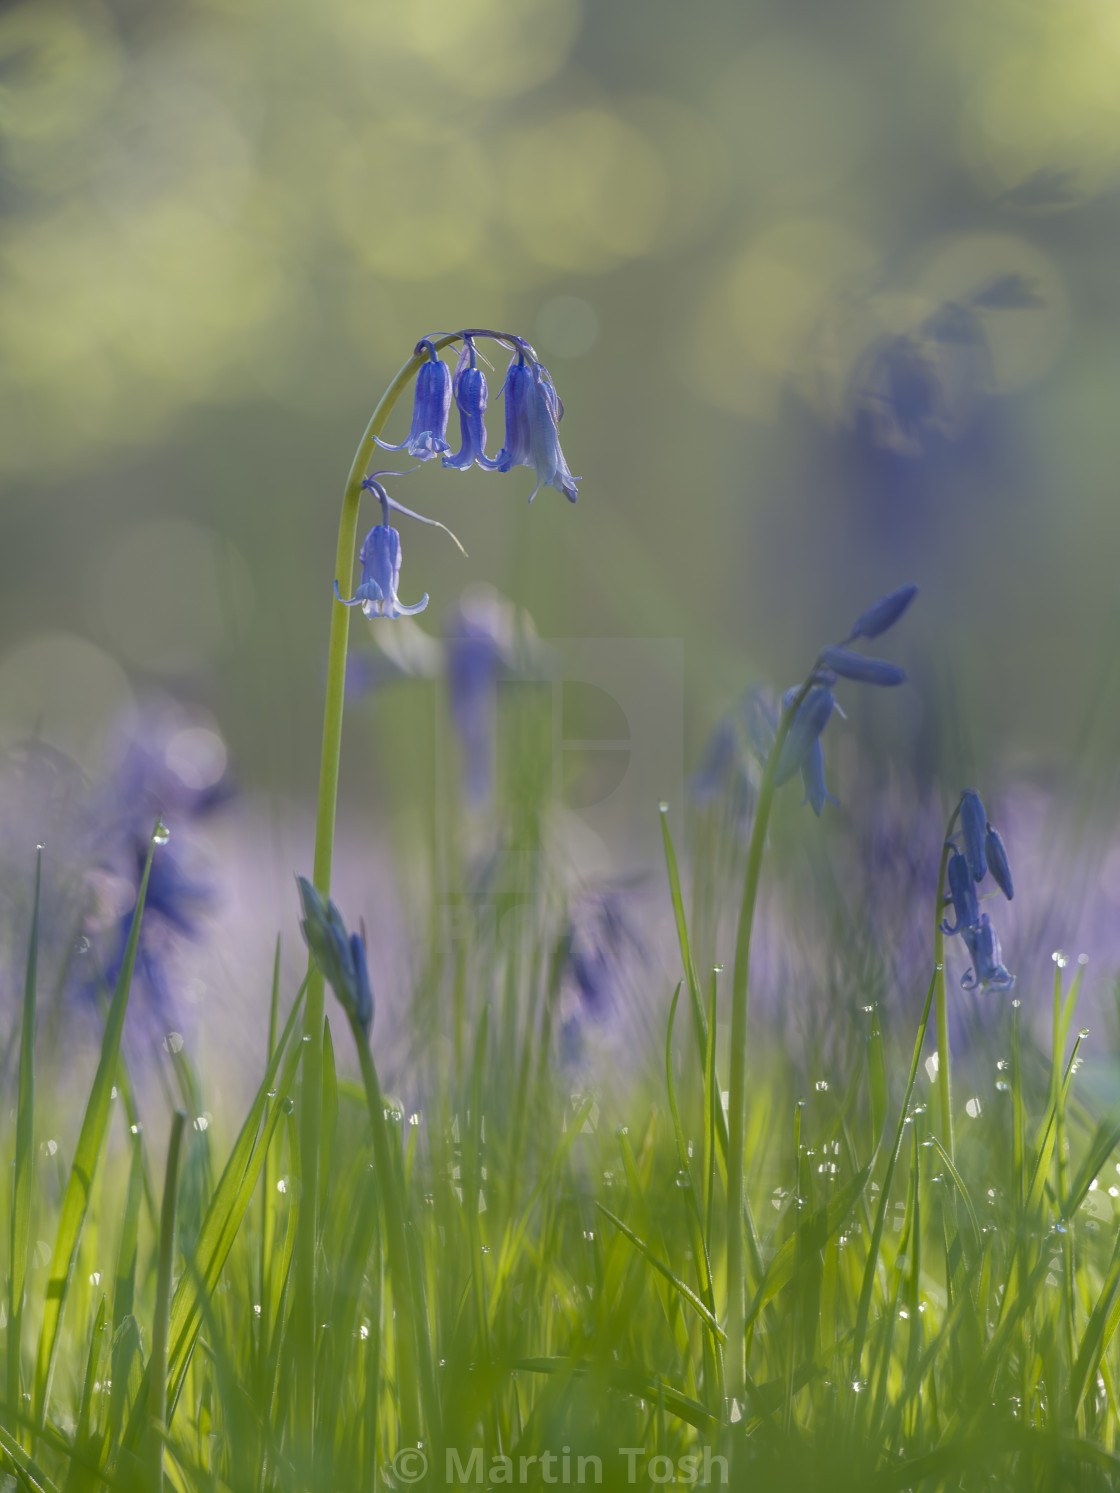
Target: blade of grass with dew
864,1306
161,1320
83,1469
22,1182
87,1153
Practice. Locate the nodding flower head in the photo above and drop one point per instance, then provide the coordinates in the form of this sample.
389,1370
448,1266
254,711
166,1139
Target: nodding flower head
533,415
808,722
974,823
381,568
427,434
987,967
470,397
340,955
962,890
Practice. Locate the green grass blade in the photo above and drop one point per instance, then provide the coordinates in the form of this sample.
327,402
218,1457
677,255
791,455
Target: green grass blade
79,1185
124,1291
161,1322
685,1291
25,1153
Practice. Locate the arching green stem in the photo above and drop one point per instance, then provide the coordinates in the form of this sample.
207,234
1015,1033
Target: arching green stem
311,1097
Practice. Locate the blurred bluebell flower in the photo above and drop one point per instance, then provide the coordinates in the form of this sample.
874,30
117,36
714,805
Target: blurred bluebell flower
485,636
602,940
381,568
432,404
471,397
987,966
974,823
851,665
812,777
884,614
340,955
809,721
533,415
998,865
962,891
721,756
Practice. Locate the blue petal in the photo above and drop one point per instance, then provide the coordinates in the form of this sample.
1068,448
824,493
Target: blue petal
810,720
885,613
974,823
997,862
851,665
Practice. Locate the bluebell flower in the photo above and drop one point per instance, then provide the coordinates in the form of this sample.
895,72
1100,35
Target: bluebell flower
812,777
340,955
809,721
884,614
998,865
962,890
987,966
484,637
533,415
601,941
721,756
851,665
974,823
381,568
471,397
427,434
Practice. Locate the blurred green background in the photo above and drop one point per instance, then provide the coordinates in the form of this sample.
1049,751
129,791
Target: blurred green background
731,229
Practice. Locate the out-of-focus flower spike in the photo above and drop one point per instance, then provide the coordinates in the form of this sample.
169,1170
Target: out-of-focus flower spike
808,723
851,665
974,823
962,890
431,406
884,614
340,955
987,960
996,854
812,778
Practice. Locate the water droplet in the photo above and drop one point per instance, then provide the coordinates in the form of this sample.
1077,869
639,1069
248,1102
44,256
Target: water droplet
717,969
868,1009
973,1108
663,807
1083,959
162,833
95,1278
1003,1065
1016,1003
363,1332
1003,1086
173,1042
136,1129
289,1105
589,1235
282,1185
939,967
202,1122
42,845
1083,1033
821,1085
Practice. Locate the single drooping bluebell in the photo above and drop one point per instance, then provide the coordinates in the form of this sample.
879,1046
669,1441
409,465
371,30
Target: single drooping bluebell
381,568
962,892
427,435
996,855
470,398
533,415
974,824
987,961
340,955
983,851
884,614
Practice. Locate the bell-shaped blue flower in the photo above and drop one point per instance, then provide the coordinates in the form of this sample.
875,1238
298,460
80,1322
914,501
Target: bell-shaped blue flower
987,961
381,568
851,665
809,721
812,778
533,415
974,824
427,434
962,890
340,955
997,862
470,397
885,613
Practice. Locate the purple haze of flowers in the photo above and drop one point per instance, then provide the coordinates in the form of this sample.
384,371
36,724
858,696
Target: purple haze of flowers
987,966
340,955
962,890
533,415
381,568
470,398
974,823
432,405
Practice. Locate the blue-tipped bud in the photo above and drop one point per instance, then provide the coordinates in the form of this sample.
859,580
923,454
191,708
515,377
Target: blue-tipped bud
812,778
997,862
533,414
340,955
381,568
962,889
808,723
432,404
885,613
470,397
851,665
974,823
987,961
